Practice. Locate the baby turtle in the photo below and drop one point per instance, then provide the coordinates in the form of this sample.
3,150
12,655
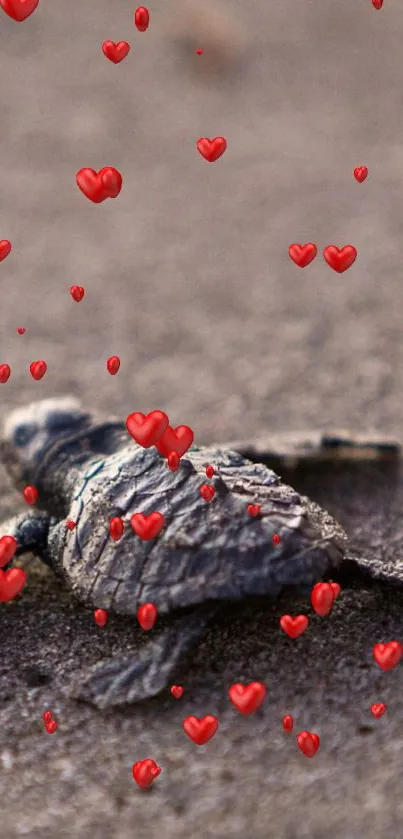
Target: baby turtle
90,471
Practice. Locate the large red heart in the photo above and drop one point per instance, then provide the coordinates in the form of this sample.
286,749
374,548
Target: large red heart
98,186
247,698
19,10
211,150
294,627
147,527
177,440
387,656
11,583
116,52
200,730
322,598
302,255
8,547
147,430
340,258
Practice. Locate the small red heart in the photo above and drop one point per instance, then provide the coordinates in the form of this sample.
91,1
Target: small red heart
116,52
51,726
308,742
276,539
340,258
322,598
113,364
177,440
70,524
294,627
378,710
21,330
5,248
247,698
77,292
147,430
177,691
200,730
141,18
38,370
361,174
303,255
31,494
97,186
147,615
19,10
8,547
47,716
387,656
116,528
199,51
288,723
207,492
377,4
5,373
210,471
101,617
254,510
147,527
11,583
145,772
211,150
173,461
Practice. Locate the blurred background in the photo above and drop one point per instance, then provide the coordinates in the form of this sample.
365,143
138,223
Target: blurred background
187,274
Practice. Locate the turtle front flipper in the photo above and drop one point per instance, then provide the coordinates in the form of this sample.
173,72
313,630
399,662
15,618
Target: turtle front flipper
147,672
30,530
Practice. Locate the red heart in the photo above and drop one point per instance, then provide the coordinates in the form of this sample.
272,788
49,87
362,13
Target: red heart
116,528
38,370
177,691
77,292
19,10
200,730
211,150
173,461
101,617
5,246
377,4
21,330
247,698
97,186
288,723
113,364
116,52
11,583
147,615
294,627
360,173
147,527
207,492
145,772
31,494
147,430
378,710
303,255
387,656
70,524
8,547
51,726
253,510
336,589
177,440
141,18
5,373
322,598
210,471
47,716
308,743
199,51
340,258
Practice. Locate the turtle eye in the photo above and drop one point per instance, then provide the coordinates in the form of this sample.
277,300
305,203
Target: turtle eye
59,421
23,434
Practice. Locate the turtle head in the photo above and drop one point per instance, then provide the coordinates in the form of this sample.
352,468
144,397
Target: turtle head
29,432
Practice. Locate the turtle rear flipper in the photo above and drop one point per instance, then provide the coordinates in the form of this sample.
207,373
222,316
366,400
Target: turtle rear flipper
147,672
